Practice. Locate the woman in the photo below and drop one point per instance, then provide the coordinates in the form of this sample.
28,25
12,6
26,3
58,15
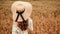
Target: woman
21,17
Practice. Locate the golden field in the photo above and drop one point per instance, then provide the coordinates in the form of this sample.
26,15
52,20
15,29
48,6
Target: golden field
45,16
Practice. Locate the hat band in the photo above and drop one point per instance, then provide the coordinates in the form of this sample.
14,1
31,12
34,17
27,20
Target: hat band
20,13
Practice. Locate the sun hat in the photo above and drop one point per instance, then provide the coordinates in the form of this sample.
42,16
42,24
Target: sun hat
20,5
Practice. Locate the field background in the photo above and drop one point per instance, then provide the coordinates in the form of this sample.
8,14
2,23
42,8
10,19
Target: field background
45,16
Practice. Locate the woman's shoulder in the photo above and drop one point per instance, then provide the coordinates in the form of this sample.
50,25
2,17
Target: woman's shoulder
30,19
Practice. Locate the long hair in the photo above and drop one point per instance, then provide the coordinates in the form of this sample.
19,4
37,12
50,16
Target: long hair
23,25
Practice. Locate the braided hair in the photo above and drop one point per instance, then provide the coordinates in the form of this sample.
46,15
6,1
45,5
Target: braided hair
23,25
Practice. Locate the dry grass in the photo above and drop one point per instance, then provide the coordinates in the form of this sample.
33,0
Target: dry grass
45,15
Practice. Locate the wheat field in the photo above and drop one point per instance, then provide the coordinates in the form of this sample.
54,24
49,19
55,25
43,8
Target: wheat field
45,16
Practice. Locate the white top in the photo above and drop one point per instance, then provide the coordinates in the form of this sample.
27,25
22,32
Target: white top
16,30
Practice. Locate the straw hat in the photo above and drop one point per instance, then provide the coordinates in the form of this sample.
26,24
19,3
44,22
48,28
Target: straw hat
20,5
